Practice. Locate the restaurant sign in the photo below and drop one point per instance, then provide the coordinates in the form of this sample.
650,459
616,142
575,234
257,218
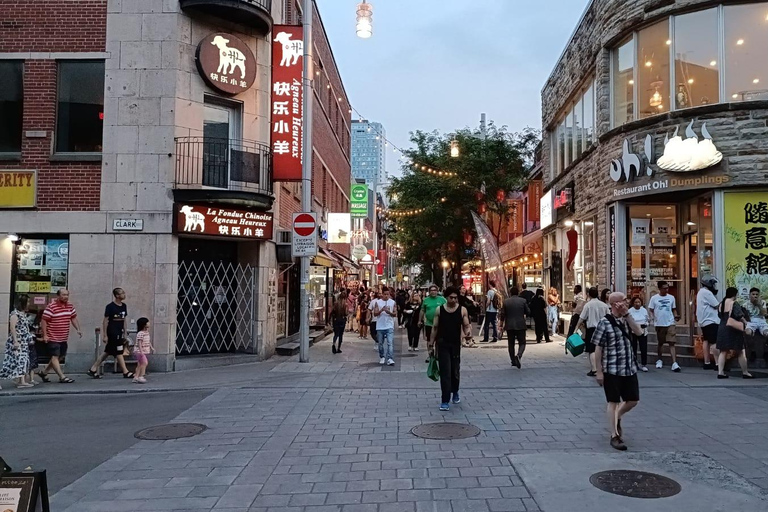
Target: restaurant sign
746,242
287,102
222,222
18,189
359,201
226,63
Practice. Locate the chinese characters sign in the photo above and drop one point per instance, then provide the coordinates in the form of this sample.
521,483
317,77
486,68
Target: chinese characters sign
17,189
359,204
516,223
534,199
287,102
222,221
226,63
746,241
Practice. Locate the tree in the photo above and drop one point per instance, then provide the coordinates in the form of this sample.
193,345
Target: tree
490,166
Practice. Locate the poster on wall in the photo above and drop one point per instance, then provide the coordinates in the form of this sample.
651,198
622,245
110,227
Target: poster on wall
339,228
32,253
664,227
640,228
56,254
746,242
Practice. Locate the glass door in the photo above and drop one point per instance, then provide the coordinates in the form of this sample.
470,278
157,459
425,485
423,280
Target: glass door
220,128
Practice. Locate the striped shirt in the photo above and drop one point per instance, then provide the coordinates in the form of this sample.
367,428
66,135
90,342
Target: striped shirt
58,317
143,343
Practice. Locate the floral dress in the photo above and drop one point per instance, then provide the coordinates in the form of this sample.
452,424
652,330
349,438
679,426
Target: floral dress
16,361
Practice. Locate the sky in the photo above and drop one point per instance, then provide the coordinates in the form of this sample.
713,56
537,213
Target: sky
437,64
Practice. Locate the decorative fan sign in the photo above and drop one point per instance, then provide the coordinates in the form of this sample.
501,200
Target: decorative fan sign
691,154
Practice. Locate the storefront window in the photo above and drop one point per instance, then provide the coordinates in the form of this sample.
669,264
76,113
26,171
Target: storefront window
624,83
80,116
654,249
40,270
653,69
746,43
589,117
318,280
11,105
575,131
578,129
697,71
561,147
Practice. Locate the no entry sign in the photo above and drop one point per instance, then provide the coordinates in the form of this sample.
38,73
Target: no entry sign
304,239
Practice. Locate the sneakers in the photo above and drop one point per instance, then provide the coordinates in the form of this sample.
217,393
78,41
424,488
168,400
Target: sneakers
139,380
456,398
390,362
659,364
675,367
644,369
415,349
410,349
618,444
445,407
382,361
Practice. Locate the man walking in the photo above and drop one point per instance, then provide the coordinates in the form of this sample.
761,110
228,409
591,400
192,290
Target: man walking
386,311
429,306
617,366
401,298
513,313
57,317
113,329
663,309
707,316
594,310
449,322
578,307
491,310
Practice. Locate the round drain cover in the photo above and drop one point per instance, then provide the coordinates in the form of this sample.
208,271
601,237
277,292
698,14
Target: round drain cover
170,431
635,484
445,431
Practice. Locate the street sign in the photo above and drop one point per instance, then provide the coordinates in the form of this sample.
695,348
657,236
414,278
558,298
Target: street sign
359,251
304,239
128,225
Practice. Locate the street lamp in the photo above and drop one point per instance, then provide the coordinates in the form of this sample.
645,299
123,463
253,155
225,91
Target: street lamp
364,25
454,148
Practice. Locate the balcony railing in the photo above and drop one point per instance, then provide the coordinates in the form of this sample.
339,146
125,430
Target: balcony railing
256,14
240,165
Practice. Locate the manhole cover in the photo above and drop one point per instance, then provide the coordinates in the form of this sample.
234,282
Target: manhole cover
170,431
635,484
445,431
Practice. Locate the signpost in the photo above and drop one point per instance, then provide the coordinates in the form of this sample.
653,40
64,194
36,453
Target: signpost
304,239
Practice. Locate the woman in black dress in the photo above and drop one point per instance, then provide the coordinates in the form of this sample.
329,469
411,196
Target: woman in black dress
731,337
539,313
411,314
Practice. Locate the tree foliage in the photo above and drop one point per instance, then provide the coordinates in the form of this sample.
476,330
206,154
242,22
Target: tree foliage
495,161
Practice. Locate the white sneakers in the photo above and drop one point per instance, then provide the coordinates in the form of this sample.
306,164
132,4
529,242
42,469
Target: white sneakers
675,367
659,364
390,362
382,361
415,349
644,369
410,349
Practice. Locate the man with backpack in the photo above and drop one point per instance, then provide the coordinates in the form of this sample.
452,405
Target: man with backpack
492,309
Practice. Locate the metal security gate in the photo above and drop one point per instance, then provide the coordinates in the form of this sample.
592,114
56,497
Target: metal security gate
216,308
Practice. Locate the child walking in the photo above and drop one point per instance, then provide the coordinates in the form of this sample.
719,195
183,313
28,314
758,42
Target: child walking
142,349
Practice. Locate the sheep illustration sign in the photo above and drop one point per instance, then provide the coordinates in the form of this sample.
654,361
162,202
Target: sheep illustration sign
287,101
222,222
226,63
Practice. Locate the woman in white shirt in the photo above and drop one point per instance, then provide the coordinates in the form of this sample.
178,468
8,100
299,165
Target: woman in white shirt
640,316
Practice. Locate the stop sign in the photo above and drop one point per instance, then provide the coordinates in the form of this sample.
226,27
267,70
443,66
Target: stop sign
304,225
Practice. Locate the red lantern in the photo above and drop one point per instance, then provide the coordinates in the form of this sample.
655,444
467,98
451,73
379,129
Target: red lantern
482,208
500,195
479,196
467,238
452,247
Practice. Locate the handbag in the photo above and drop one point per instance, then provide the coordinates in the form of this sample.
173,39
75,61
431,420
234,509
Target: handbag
433,369
737,325
575,345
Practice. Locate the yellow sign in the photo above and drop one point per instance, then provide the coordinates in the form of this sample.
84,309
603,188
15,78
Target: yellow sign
40,287
746,241
18,189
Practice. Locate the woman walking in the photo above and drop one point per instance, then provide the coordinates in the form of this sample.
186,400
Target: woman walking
539,313
730,334
553,309
640,315
16,361
362,312
339,321
412,313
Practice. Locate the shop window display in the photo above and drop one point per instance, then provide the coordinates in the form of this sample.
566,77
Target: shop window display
653,249
40,270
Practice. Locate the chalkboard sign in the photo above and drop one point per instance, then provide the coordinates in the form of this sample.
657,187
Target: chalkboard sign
24,492
556,272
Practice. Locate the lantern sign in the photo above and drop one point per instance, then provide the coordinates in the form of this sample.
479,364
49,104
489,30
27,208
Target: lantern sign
287,102
226,63
455,149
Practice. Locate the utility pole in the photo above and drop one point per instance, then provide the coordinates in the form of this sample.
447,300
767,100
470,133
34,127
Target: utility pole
484,135
375,267
306,176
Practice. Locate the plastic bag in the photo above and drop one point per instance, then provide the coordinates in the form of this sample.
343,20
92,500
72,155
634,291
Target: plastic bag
433,370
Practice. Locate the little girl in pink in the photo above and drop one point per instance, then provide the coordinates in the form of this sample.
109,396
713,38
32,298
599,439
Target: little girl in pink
142,348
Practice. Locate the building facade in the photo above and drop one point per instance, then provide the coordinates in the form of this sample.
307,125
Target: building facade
139,133
655,150
369,155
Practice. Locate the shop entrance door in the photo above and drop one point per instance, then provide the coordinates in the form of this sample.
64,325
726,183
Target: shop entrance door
662,263
221,129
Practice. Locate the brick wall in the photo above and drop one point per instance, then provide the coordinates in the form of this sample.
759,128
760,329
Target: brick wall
52,26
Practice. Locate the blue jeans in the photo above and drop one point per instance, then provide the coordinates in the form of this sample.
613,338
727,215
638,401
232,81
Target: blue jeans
490,321
389,335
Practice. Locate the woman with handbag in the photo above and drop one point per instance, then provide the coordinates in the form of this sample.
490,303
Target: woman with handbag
730,334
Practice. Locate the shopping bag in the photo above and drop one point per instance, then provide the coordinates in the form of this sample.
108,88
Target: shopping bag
433,370
575,345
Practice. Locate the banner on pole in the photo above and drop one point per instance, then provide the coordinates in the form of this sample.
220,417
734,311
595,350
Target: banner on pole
287,107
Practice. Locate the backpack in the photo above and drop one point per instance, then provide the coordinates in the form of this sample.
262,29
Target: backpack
496,300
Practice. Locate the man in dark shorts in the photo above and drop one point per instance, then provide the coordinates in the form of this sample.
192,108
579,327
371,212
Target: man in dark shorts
113,331
617,366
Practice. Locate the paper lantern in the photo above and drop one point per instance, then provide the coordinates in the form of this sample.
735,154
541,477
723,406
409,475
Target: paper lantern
500,195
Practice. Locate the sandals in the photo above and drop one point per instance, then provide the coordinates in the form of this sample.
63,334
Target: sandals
128,375
93,374
66,380
43,377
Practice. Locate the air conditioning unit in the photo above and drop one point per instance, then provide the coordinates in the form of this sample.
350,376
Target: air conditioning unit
284,237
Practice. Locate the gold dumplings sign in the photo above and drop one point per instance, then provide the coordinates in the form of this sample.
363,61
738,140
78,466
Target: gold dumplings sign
18,189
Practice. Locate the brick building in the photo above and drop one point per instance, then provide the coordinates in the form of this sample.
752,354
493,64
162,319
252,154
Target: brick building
132,155
655,120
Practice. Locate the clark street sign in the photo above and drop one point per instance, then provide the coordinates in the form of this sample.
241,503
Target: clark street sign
128,225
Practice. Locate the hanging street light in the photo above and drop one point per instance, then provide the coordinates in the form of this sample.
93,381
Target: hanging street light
364,25
454,148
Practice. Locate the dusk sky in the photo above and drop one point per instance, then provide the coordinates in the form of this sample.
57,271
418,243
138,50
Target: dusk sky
437,64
